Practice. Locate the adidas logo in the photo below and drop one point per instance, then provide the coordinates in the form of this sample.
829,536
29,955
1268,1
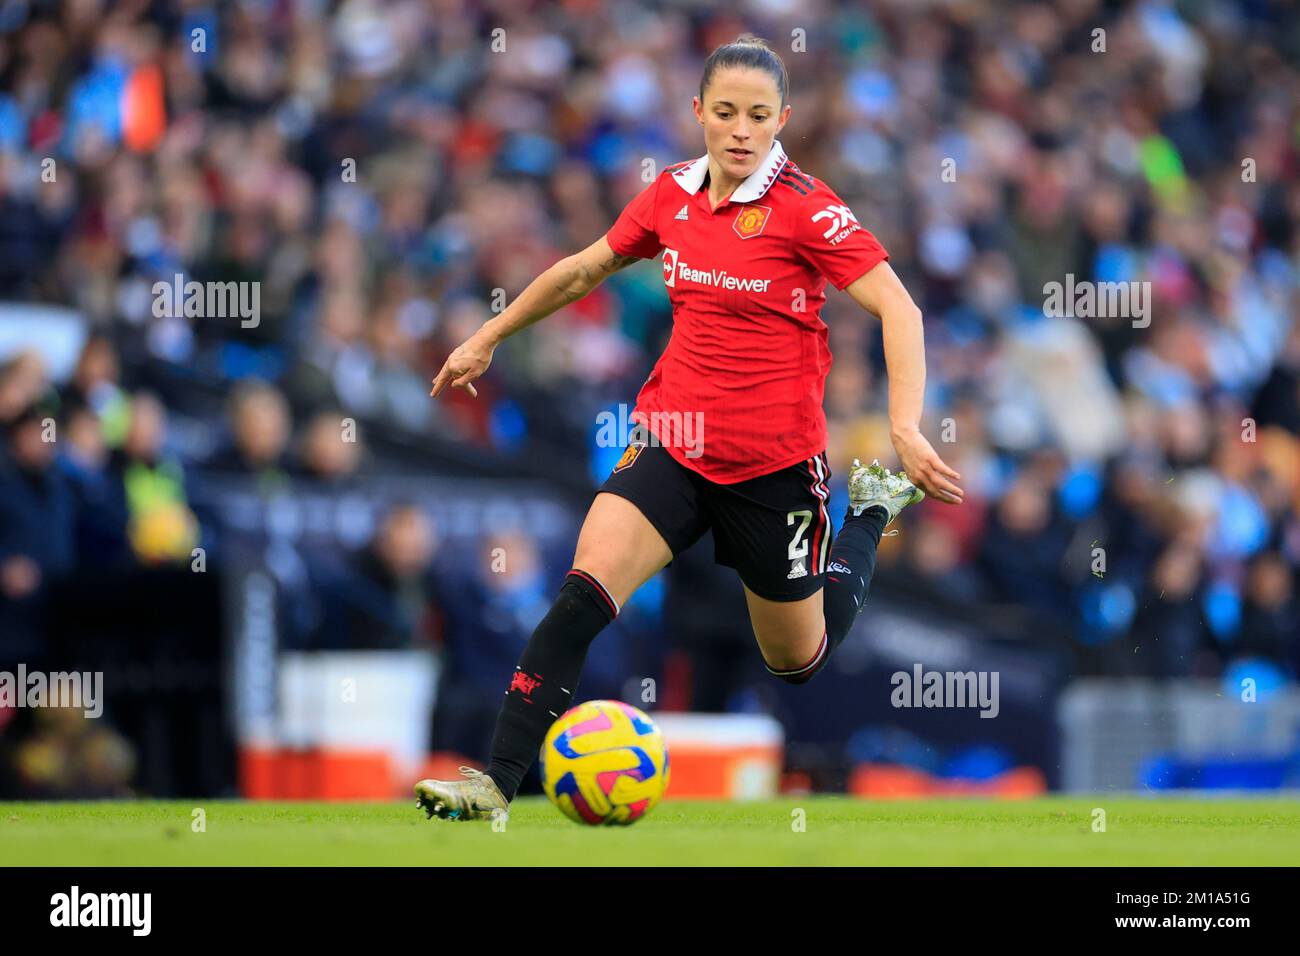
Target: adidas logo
682,214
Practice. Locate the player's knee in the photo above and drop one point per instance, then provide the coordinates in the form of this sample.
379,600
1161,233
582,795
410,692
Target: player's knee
583,585
801,672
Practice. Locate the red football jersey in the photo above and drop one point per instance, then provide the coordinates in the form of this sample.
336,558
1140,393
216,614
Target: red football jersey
738,391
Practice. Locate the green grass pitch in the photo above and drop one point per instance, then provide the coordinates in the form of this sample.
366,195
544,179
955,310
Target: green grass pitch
837,831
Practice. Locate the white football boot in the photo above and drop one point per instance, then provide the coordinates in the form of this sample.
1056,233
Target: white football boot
477,797
871,485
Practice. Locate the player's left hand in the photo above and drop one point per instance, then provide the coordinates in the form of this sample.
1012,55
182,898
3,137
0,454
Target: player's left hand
924,466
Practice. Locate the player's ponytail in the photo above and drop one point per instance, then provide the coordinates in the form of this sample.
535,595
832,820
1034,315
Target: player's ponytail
750,52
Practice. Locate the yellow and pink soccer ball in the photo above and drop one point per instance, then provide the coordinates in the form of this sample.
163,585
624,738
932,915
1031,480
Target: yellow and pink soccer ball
604,763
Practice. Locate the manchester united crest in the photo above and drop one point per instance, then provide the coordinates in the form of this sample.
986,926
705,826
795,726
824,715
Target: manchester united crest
629,456
750,221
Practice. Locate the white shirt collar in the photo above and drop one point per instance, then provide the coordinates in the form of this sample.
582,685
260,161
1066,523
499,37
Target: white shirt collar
691,176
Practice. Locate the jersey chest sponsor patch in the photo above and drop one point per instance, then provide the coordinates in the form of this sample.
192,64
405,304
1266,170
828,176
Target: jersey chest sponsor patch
680,271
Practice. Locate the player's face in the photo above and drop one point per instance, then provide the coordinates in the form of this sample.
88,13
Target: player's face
741,115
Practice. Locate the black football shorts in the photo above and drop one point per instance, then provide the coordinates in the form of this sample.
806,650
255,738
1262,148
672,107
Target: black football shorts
774,529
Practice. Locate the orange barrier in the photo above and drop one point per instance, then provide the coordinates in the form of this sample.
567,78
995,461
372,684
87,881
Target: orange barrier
699,772
895,782
288,774
704,772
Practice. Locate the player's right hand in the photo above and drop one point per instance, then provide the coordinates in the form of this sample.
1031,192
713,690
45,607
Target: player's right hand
470,360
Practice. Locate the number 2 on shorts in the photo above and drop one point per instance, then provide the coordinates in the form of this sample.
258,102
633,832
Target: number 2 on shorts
798,544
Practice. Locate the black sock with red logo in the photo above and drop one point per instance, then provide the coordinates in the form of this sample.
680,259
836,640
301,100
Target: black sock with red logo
542,686
848,574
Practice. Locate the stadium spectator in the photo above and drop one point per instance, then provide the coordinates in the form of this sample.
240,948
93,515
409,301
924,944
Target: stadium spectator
23,383
96,384
260,427
330,452
150,484
101,506
384,597
37,533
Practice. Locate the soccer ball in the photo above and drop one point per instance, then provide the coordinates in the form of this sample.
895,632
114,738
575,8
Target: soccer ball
604,762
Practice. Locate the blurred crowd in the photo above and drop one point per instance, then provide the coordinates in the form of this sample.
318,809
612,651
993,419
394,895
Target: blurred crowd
390,173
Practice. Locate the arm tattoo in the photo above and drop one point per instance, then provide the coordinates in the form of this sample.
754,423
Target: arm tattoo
590,277
616,262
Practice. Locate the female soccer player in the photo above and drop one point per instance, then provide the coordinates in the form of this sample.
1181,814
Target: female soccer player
749,241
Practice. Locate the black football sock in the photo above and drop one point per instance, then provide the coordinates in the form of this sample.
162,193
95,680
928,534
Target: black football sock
848,576
542,686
